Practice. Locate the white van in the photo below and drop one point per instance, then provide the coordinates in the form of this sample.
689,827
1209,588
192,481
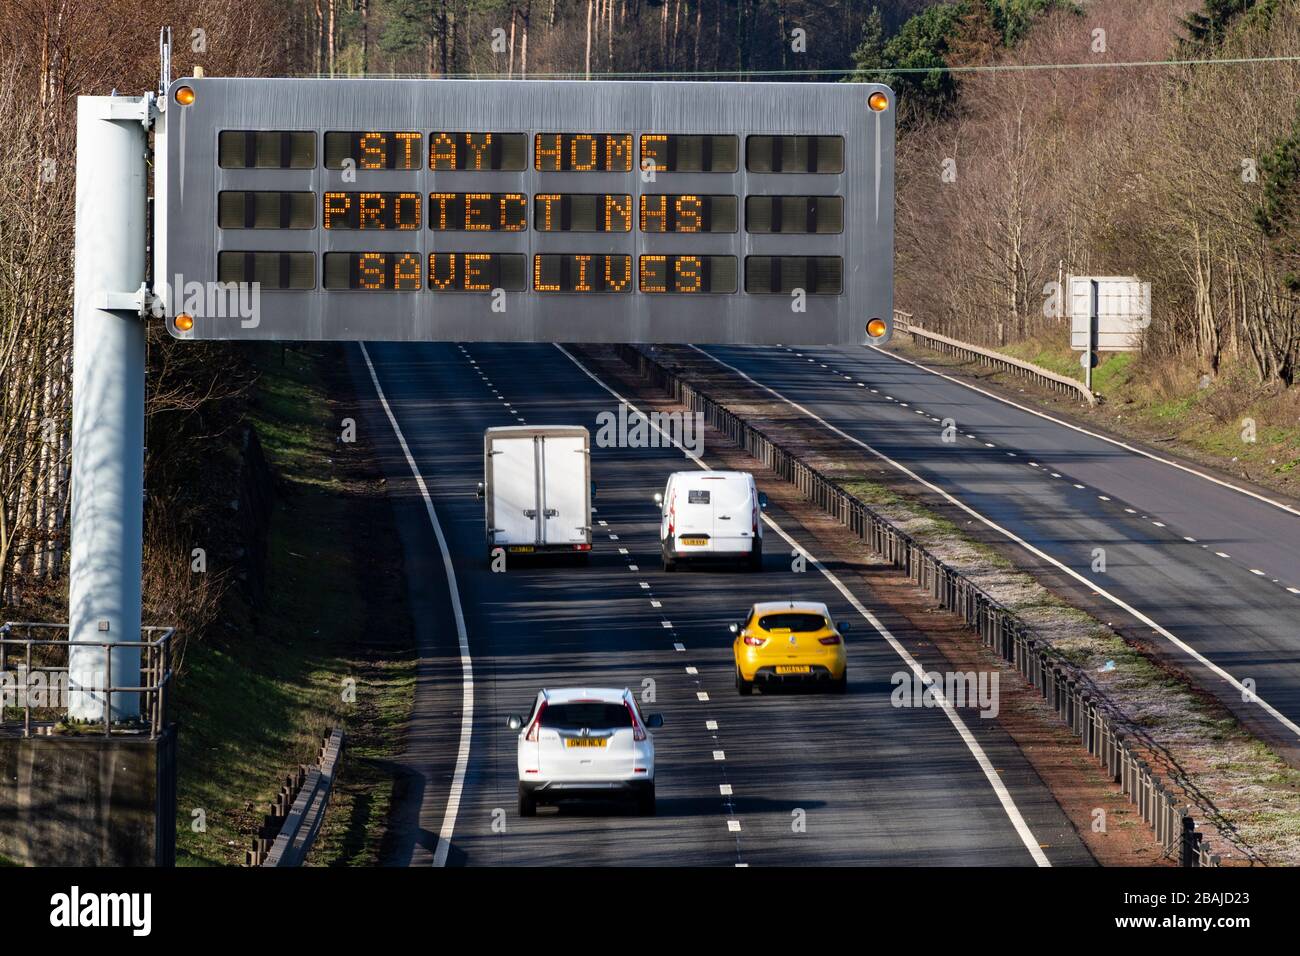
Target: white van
711,514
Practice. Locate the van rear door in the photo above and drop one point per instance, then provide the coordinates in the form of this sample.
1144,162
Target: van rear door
565,490
514,491
692,512
733,507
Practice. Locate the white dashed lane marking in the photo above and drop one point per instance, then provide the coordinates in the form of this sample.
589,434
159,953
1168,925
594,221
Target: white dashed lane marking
990,773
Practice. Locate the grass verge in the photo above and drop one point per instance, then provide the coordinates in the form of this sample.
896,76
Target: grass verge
329,643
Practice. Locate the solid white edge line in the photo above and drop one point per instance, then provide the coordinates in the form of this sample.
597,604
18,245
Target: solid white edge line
1090,585
466,664
999,788
1091,434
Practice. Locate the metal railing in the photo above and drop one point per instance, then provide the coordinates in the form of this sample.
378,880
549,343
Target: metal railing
22,654
290,829
995,360
1112,739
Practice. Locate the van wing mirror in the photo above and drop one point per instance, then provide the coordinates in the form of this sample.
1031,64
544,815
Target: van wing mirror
762,500
514,722
480,490
593,489
659,499
654,720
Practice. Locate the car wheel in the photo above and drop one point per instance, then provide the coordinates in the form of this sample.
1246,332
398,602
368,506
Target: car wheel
527,802
645,802
669,564
756,557
841,686
743,687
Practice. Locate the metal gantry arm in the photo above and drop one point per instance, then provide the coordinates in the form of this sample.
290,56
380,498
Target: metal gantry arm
110,299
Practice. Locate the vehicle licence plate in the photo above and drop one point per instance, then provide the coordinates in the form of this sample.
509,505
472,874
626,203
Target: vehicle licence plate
793,668
695,540
585,742
521,548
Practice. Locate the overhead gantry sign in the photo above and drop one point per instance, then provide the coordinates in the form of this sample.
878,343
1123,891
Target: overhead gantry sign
525,211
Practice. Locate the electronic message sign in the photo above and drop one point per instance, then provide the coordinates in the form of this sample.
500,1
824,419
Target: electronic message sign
486,210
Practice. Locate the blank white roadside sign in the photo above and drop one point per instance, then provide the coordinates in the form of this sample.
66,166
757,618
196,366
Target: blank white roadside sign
1123,312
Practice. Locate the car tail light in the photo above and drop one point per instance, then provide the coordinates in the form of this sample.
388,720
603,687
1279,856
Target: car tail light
833,639
638,732
582,547
755,641
535,727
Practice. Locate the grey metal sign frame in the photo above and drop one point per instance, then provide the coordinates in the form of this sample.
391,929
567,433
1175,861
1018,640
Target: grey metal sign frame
188,180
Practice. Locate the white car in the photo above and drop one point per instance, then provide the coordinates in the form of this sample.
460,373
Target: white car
585,742
711,514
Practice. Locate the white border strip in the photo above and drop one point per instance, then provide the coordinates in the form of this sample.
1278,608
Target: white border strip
990,773
1247,694
1091,434
466,664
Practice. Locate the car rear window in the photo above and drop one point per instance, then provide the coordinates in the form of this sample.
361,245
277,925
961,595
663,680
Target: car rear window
796,621
578,716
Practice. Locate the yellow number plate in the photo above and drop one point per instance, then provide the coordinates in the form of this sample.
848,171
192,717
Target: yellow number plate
695,540
521,548
793,668
585,742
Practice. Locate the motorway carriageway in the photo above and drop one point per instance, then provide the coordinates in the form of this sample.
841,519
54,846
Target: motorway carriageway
1207,573
875,784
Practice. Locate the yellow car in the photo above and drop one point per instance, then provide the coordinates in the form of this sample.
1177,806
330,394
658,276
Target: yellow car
790,642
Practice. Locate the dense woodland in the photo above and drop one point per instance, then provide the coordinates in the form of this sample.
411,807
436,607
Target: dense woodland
1188,176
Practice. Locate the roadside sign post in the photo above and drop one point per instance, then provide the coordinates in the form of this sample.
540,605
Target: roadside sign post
108,355
1090,356
1107,314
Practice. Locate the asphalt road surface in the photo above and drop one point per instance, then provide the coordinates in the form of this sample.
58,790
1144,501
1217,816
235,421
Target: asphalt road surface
1204,571
787,778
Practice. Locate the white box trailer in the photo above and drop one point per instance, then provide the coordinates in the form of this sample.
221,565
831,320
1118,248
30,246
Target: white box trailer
537,489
